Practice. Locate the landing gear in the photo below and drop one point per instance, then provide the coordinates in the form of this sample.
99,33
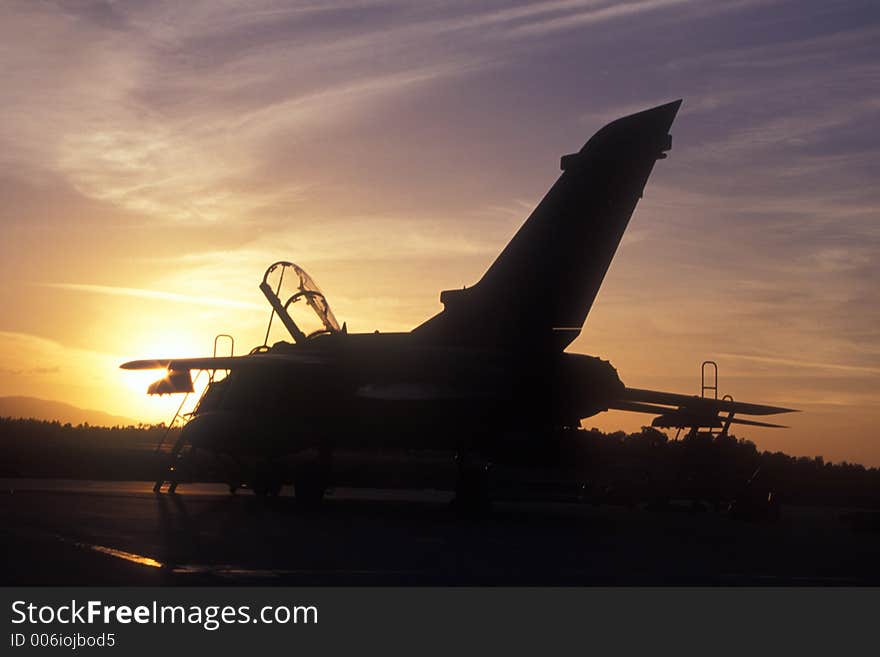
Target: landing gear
263,489
472,487
312,477
268,480
309,486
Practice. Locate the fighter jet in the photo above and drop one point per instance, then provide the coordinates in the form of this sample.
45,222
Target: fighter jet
491,364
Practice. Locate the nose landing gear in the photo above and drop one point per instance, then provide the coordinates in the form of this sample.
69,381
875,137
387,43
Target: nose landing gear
309,487
472,486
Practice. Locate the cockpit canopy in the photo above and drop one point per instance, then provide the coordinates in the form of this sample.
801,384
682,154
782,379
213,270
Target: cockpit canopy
298,301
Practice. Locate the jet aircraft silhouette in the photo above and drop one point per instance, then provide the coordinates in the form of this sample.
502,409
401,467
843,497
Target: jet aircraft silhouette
489,365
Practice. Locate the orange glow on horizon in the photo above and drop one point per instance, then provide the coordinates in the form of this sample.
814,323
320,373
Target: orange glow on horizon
145,193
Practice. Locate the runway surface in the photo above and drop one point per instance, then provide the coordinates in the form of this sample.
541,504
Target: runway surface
119,533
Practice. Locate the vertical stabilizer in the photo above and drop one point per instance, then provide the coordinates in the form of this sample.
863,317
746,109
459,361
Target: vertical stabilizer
540,288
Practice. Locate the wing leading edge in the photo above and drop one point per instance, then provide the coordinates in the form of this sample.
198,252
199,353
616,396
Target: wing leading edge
178,371
221,362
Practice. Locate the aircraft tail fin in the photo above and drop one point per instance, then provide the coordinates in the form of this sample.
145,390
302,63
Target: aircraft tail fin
541,287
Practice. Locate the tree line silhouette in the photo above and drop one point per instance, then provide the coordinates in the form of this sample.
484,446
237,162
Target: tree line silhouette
40,448
643,467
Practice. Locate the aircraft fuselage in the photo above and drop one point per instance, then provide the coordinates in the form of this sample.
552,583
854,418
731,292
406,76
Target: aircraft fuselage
392,390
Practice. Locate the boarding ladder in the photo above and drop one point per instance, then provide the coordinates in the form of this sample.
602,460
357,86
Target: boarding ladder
170,469
710,384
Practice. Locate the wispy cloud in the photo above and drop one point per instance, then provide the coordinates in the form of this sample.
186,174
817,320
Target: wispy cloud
594,15
792,362
154,294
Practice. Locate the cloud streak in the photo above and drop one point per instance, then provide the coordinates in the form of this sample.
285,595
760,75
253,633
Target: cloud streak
158,295
804,363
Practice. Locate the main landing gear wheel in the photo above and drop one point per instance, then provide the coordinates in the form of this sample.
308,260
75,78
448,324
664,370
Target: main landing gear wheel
309,488
472,490
267,481
262,489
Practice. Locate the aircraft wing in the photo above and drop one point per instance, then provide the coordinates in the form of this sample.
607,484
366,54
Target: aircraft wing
221,362
703,403
674,410
178,376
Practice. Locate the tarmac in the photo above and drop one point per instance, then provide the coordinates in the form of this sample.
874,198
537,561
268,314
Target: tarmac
65,532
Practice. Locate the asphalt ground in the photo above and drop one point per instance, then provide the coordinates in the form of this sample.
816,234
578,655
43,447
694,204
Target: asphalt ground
59,532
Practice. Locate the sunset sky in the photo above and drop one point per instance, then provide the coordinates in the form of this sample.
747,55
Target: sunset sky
156,157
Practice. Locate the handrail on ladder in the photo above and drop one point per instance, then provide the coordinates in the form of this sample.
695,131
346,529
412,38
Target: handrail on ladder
705,386
186,396
231,351
176,415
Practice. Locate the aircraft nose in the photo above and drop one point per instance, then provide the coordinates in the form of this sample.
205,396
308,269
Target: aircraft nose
209,430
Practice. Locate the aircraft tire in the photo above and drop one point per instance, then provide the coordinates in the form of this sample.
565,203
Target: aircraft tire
308,489
265,488
267,480
472,491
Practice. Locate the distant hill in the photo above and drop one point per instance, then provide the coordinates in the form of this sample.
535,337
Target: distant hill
45,409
